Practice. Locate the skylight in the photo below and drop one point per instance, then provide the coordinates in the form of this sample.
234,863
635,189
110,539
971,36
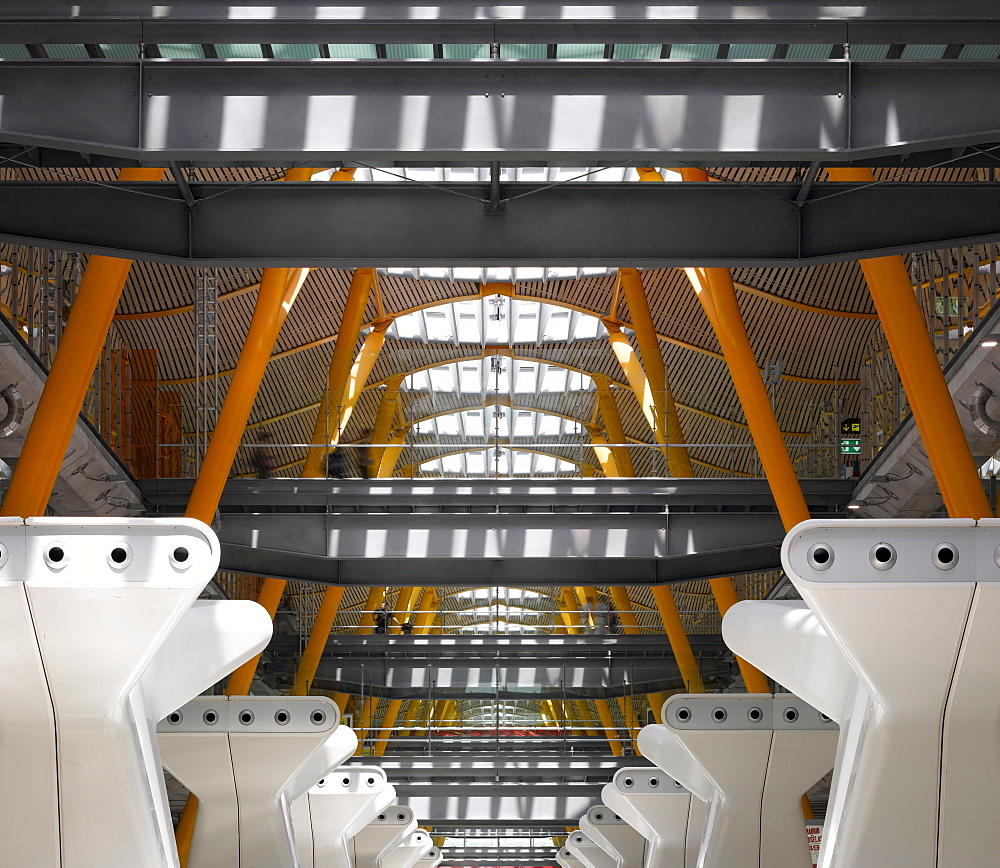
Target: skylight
498,375
506,423
498,462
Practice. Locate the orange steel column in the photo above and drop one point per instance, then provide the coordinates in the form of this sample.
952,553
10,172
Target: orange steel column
930,399
677,637
340,368
69,377
613,425
316,644
385,418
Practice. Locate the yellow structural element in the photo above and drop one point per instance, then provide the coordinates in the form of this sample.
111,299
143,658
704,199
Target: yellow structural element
341,364
385,419
677,637
318,636
931,401
613,426
69,378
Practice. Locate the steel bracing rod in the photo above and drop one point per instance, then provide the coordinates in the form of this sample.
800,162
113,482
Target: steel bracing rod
712,224
930,400
69,378
627,21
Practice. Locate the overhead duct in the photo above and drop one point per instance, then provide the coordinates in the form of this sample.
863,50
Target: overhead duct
15,410
984,423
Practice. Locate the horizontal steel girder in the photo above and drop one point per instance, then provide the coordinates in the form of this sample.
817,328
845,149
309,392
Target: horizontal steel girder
459,21
508,110
502,549
170,496
468,667
507,807
504,766
286,224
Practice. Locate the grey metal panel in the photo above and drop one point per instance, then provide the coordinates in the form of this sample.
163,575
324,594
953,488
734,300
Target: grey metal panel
170,496
282,224
507,767
484,110
437,572
395,21
461,809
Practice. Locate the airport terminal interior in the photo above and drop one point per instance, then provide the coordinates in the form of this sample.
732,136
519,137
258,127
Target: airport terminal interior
499,435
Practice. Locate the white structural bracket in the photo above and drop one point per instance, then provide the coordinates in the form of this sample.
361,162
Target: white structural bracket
617,838
663,811
101,636
433,858
588,851
373,844
247,758
335,810
758,754
565,859
409,852
898,644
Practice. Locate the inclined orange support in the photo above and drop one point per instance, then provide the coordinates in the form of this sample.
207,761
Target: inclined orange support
69,377
930,399
316,644
613,426
328,417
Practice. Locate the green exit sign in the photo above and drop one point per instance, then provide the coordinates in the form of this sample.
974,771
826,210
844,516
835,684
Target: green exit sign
850,446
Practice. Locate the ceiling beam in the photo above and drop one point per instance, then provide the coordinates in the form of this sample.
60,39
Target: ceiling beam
392,21
327,225
509,110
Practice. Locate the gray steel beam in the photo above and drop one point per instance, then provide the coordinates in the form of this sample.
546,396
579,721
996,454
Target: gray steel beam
318,225
333,21
457,808
440,572
504,766
516,110
170,496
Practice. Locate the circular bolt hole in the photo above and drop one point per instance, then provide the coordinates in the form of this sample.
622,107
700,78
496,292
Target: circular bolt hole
281,717
318,717
180,558
791,714
371,782
381,818
321,782
820,556
598,816
628,782
755,715
174,718
246,717
944,556
825,718
55,556
882,556
211,717
346,782
654,782
401,817
719,714
684,713
119,555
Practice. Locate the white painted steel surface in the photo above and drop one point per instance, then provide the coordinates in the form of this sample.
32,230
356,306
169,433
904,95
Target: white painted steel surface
756,754
565,859
589,853
247,758
408,852
335,810
382,835
615,836
102,634
898,645
433,858
663,811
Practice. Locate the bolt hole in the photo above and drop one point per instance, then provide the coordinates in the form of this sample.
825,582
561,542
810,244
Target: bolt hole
883,556
321,782
791,714
820,556
318,717
281,717
598,816
181,554
119,555
381,818
175,718
628,782
719,714
654,782
944,556
246,717
684,714
211,717
371,782
755,715
401,817
825,718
